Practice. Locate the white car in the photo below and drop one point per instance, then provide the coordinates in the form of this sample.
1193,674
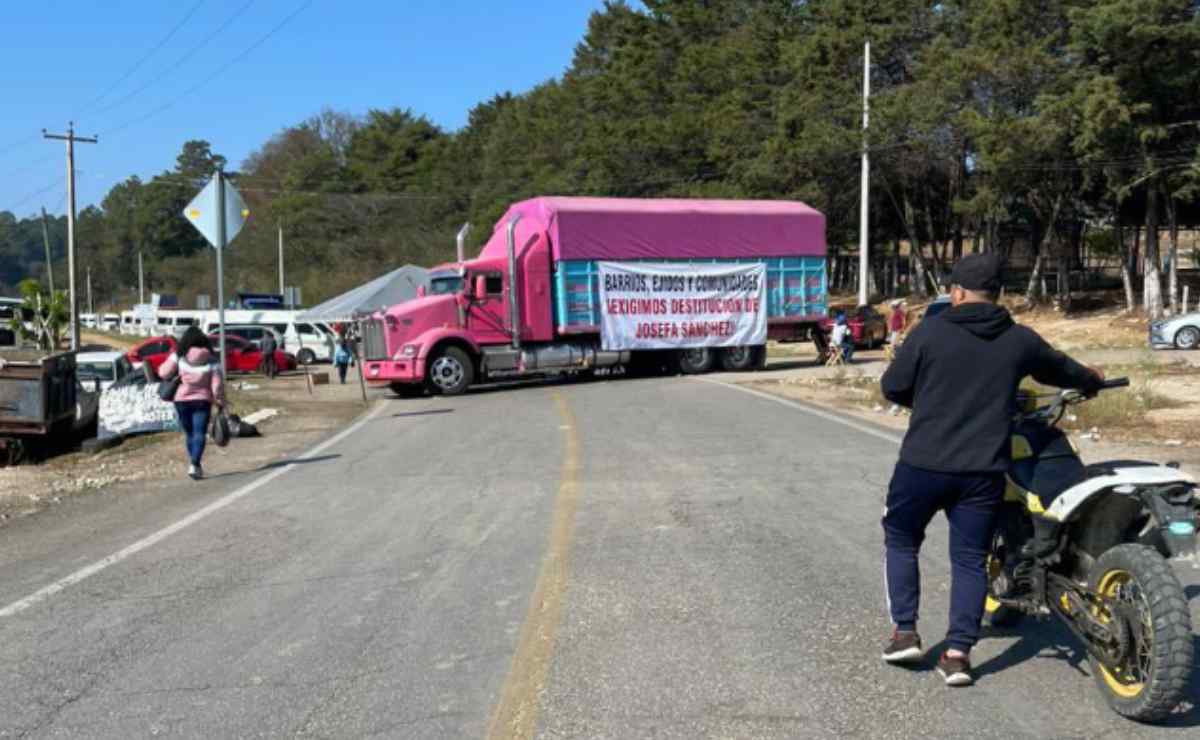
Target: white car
99,370
1181,332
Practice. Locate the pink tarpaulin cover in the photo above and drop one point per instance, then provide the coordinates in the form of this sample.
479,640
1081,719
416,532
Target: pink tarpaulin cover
634,228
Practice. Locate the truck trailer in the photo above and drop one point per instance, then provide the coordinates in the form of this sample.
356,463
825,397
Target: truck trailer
532,303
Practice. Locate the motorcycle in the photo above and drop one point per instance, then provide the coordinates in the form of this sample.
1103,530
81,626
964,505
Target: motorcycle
1092,545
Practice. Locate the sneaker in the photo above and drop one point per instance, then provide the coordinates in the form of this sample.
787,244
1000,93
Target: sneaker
193,472
199,471
904,647
955,670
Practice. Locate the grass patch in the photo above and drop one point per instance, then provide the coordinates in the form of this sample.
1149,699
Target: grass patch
1121,408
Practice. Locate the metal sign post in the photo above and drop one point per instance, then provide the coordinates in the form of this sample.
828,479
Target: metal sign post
220,245
218,212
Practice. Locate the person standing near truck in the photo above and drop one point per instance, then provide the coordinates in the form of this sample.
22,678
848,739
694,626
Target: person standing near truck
268,355
200,386
343,357
897,322
959,372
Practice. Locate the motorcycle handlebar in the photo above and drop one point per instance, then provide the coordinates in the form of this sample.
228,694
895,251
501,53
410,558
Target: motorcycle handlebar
1115,383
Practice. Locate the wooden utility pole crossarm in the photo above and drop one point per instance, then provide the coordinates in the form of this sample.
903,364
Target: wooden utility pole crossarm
71,138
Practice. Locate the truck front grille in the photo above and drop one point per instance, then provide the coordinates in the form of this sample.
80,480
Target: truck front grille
374,340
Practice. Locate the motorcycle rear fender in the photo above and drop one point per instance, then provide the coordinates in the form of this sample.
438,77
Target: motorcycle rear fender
1072,501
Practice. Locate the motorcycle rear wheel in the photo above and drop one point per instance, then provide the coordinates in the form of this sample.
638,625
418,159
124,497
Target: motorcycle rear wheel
1152,680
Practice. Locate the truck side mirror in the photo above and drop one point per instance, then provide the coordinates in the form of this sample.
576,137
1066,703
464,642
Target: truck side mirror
480,286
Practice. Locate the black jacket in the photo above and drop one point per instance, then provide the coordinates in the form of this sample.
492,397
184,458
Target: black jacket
959,372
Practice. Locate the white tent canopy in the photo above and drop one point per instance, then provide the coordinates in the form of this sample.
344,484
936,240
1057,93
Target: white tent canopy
397,286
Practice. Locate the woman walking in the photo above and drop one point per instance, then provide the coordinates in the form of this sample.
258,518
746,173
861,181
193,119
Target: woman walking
200,385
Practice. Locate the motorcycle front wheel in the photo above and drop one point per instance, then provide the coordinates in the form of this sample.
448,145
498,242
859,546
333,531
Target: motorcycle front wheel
1141,594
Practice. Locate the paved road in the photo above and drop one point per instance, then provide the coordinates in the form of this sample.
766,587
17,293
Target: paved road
631,559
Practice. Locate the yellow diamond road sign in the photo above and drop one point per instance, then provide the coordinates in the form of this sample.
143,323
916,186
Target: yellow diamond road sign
202,212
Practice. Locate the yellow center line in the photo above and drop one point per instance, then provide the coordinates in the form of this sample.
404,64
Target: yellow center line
515,716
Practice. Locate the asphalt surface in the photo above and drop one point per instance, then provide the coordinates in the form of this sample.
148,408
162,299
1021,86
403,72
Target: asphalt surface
629,559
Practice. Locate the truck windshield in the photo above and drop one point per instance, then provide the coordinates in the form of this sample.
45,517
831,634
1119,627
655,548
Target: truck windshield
444,285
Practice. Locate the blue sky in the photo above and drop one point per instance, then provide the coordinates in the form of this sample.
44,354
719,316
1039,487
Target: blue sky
64,59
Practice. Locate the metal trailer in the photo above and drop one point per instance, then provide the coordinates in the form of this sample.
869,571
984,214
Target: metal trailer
38,400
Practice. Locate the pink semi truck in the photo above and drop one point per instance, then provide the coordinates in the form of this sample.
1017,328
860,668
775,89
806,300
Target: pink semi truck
533,302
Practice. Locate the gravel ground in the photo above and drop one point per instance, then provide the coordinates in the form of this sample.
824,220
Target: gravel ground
158,457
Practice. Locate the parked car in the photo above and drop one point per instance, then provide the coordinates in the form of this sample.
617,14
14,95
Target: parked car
867,326
99,370
246,357
243,355
309,341
1181,332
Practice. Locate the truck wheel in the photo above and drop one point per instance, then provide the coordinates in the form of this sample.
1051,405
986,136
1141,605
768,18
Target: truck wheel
451,372
407,390
696,360
737,359
306,357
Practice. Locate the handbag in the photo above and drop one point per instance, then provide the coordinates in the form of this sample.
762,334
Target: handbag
220,429
168,388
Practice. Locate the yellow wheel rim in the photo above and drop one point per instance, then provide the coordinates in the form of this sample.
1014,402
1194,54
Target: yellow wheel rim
994,566
1121,684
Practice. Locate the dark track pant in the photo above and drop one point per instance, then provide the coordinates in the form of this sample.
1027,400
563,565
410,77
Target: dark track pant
193,419
342,372
971,502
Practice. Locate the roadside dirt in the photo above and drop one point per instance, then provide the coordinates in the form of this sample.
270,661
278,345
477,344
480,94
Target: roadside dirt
1156,419
301,419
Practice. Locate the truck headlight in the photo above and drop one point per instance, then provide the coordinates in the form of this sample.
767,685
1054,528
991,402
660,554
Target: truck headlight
408,350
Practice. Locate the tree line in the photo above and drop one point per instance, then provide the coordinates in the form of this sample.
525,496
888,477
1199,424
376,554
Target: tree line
1043,129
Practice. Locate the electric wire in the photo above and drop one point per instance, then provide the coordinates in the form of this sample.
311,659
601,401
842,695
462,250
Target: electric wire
143,59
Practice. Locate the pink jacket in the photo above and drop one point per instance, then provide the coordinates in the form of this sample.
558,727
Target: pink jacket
199,379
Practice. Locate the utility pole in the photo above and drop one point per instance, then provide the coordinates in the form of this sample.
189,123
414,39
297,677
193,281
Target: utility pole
282,290
141,280
220,206
863,216
49,259
71,138
91,306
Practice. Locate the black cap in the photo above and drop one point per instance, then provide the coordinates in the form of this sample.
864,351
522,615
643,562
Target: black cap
979,272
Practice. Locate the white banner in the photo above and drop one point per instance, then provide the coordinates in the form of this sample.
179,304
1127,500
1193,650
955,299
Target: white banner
671,306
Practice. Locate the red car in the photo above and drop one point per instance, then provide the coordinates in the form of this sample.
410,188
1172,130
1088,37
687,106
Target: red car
867,326
243,356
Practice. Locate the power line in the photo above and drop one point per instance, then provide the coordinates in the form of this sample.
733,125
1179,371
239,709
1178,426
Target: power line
145,57
220,70
179,62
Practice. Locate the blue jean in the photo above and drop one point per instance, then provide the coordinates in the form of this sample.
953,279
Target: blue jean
848,350
971,502
193,419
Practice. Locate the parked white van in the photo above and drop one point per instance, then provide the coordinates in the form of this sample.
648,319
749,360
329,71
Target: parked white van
309,342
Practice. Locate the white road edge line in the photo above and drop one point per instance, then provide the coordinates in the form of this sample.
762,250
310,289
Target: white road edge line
879,433
90,570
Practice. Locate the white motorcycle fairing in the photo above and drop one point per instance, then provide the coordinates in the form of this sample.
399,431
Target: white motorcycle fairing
1068,503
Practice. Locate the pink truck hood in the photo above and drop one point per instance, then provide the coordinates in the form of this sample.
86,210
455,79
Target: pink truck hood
414,317
664,228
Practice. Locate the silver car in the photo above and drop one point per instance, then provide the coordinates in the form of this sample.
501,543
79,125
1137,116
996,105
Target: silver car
1182,332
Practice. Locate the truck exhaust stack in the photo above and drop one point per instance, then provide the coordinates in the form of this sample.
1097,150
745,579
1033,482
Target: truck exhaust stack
513,314
460,241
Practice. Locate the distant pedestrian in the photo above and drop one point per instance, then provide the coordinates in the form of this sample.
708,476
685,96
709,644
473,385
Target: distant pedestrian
343,358
200,385
269,346
897,322
843,336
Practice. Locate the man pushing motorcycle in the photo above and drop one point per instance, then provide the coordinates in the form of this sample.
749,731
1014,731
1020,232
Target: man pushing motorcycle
959,372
